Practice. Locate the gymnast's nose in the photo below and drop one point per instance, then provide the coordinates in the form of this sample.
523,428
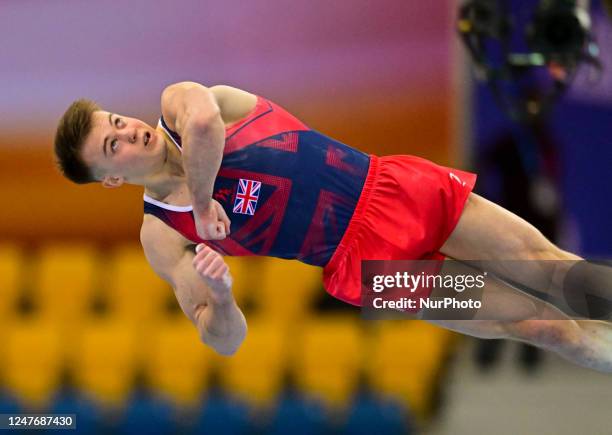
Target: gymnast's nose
130,135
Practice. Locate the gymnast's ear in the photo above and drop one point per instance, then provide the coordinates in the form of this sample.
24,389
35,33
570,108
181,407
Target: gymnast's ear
110,181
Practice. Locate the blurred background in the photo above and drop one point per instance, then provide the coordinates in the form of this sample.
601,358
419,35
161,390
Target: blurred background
88,329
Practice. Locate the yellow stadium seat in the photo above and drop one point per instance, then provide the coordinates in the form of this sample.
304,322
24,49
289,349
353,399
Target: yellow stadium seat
65,283
12,270
329,359
133,291
106,358
405,361
256,372
32,360
245,273
286,289
177,363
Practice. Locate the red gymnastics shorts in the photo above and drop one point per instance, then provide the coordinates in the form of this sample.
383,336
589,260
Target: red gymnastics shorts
408,208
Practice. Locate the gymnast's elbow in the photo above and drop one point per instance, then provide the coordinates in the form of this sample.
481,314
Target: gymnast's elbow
224,345
226,349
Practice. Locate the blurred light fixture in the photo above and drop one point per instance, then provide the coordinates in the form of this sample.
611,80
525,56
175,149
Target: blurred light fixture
528,63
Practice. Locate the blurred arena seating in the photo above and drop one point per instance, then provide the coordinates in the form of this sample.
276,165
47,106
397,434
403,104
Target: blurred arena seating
93,331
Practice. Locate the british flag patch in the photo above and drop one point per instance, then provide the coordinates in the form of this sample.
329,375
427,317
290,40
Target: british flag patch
247,196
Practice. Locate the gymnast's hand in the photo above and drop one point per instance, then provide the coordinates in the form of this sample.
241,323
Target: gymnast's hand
212,224
214,271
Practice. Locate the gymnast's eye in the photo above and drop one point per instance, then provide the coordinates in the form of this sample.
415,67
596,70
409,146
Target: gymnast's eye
113,146
118,122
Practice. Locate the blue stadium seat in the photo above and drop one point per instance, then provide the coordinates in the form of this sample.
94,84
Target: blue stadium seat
145,414
369,415
299,416
89,419
223,415
9,403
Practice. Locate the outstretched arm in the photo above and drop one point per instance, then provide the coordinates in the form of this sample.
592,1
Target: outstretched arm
202,285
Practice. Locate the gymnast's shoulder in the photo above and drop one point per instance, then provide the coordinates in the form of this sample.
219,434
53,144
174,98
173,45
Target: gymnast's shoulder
233,103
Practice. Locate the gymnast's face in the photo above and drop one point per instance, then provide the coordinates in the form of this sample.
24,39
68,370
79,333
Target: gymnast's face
121,149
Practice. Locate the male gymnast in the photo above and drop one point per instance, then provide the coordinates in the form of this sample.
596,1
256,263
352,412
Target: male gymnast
294,193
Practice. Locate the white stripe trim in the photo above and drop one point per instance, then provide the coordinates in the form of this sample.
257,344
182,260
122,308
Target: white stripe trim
167,206
159,123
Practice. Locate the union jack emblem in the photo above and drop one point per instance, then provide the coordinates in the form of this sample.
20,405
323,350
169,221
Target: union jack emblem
247,196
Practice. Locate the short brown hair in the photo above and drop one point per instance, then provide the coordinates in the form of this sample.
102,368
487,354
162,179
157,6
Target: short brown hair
72,130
